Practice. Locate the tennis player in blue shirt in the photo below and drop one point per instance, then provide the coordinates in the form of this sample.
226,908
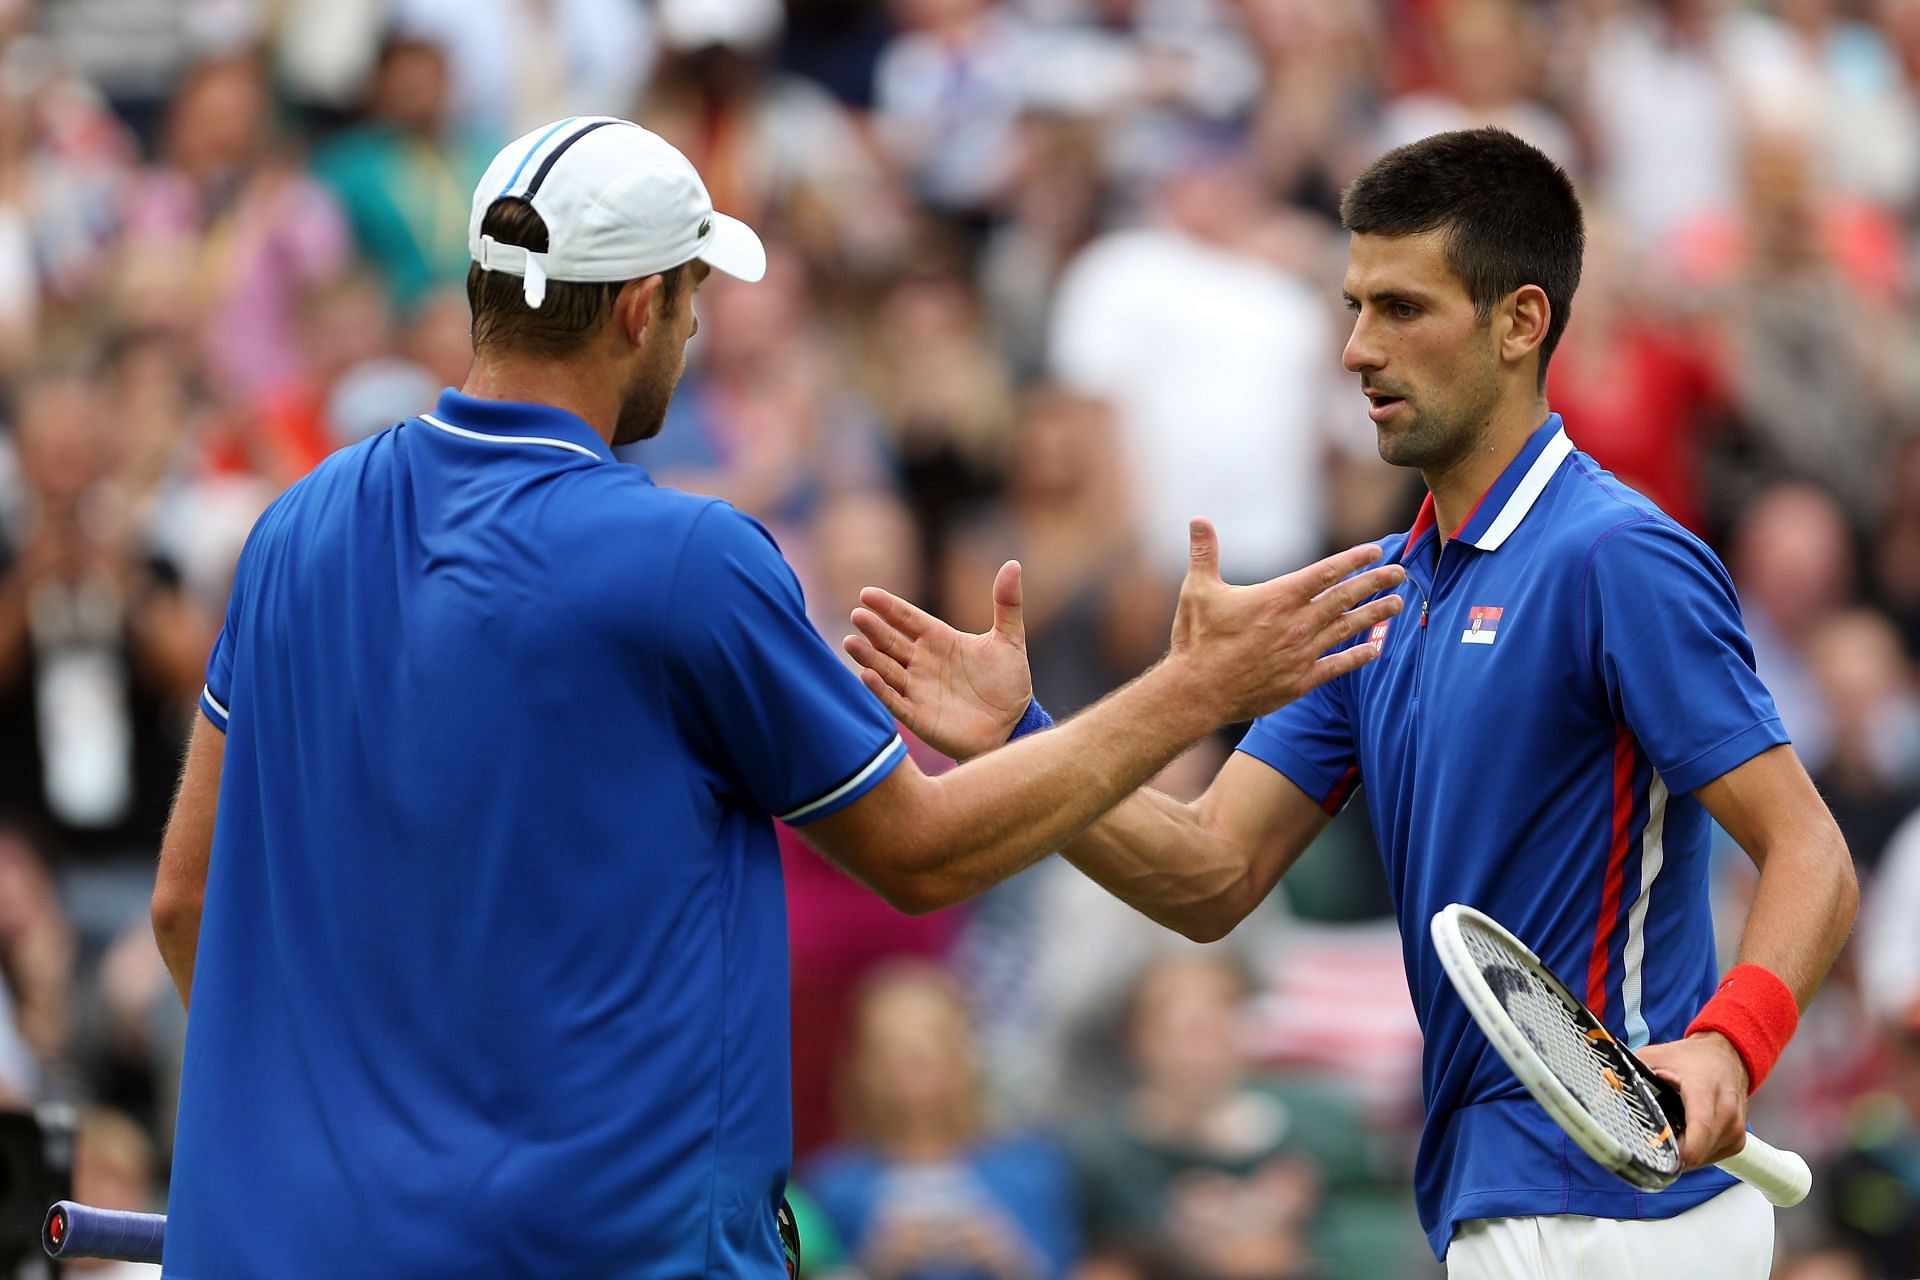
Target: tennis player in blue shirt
471,881
1566,704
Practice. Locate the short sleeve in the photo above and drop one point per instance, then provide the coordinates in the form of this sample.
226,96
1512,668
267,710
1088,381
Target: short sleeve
216,694
1664,634
775,710
1310,741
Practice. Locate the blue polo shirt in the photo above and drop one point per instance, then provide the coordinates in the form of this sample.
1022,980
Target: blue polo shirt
1566,671
492,975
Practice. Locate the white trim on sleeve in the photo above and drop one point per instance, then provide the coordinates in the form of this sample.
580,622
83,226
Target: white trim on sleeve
887,754
213,703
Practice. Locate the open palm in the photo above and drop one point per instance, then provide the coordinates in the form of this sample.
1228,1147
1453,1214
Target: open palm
960,692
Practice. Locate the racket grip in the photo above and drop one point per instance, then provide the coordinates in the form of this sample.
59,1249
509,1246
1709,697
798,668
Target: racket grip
1781,1176
82,1231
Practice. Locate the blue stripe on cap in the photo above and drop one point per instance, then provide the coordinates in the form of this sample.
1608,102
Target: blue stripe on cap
521,167
546,166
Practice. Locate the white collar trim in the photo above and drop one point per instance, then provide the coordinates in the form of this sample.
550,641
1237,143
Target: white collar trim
1532,485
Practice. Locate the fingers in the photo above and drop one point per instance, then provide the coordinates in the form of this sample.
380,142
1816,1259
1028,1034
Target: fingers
1317,578
1343,596
893,701
1203,551
872,660
908,617
1359,621
1007,620
1338,664
885,638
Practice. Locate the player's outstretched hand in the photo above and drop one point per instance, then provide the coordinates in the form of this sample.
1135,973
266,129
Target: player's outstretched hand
1248,650
1713,1086
961,693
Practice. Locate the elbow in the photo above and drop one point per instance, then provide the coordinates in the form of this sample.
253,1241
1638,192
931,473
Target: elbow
917,894
176,917
1848,905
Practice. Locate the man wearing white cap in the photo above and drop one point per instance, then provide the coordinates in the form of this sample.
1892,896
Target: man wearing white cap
486,952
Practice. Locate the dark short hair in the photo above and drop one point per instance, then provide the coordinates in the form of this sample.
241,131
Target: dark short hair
1510,215
570,314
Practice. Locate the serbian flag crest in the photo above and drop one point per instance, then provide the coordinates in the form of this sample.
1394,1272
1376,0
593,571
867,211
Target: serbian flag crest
1483,625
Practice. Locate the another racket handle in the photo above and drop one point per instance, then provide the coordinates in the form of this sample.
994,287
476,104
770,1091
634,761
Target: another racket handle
1781,1176
82,1231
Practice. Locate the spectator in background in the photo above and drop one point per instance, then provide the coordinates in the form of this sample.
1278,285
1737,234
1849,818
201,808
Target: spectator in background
37,967
405,175
1051,211
922,1189
1214,358
1873,1191
1488,69
1871,778
1100,612
1896,548
113,1168
1667,83
765,417
1791,556
1323,62
838,930
516,63
1860,107
773,147
938,383
1201,1171
100,658
1640,378
947,95
1807,284
226,234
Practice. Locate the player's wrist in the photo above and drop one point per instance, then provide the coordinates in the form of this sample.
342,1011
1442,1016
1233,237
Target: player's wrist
1756,1013
1032,720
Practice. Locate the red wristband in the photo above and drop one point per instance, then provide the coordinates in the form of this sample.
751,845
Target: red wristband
1757,1013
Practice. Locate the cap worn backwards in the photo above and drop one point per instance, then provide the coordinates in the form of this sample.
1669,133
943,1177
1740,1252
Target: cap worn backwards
619,203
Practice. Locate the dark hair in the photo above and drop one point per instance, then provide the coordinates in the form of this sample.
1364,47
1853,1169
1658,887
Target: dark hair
571,313
1510,214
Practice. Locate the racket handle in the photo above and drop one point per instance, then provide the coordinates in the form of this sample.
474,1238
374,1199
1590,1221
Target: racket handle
1781,1176
82,1231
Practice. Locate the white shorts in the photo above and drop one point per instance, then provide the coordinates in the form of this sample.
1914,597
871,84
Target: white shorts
1729,1237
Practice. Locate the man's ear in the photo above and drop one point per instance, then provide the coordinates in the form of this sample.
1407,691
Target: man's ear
1528,314
633,307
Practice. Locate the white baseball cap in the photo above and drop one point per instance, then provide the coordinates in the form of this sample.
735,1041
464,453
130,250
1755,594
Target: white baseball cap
620,203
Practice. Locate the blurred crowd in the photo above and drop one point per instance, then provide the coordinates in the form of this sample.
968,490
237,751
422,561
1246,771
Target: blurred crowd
1047,278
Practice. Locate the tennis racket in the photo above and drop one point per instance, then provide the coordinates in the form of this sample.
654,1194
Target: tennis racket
1621,1114
82,1231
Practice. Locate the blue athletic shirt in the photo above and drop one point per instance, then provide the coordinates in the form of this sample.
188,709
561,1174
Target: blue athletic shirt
1564,674
492,977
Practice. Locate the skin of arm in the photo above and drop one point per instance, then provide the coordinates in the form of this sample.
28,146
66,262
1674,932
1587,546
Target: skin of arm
924,843
1802,911
1201,868
180,887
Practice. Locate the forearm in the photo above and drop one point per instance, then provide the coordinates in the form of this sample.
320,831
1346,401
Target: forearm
179,939
1803,909
997,814
1155,854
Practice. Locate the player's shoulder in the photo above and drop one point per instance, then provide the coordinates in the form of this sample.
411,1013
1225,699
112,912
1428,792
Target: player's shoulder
1622,532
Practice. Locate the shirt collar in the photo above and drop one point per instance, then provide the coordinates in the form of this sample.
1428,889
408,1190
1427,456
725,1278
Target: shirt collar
514,423
1504,505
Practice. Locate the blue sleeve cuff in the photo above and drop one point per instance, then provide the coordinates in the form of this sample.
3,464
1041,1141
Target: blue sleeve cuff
211,708
871,775
1035,719
1328,790
1712,763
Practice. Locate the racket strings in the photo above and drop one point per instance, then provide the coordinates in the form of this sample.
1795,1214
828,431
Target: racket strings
1578,1060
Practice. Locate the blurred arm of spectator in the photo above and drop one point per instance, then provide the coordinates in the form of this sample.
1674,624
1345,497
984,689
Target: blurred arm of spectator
36,949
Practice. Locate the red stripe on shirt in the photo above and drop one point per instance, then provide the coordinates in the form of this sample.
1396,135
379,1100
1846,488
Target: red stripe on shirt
1342,789
1623,753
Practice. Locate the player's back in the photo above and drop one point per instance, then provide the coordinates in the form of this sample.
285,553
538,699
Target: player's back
490,946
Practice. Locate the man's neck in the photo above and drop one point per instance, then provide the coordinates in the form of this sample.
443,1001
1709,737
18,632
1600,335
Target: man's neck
558,384
1458,487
